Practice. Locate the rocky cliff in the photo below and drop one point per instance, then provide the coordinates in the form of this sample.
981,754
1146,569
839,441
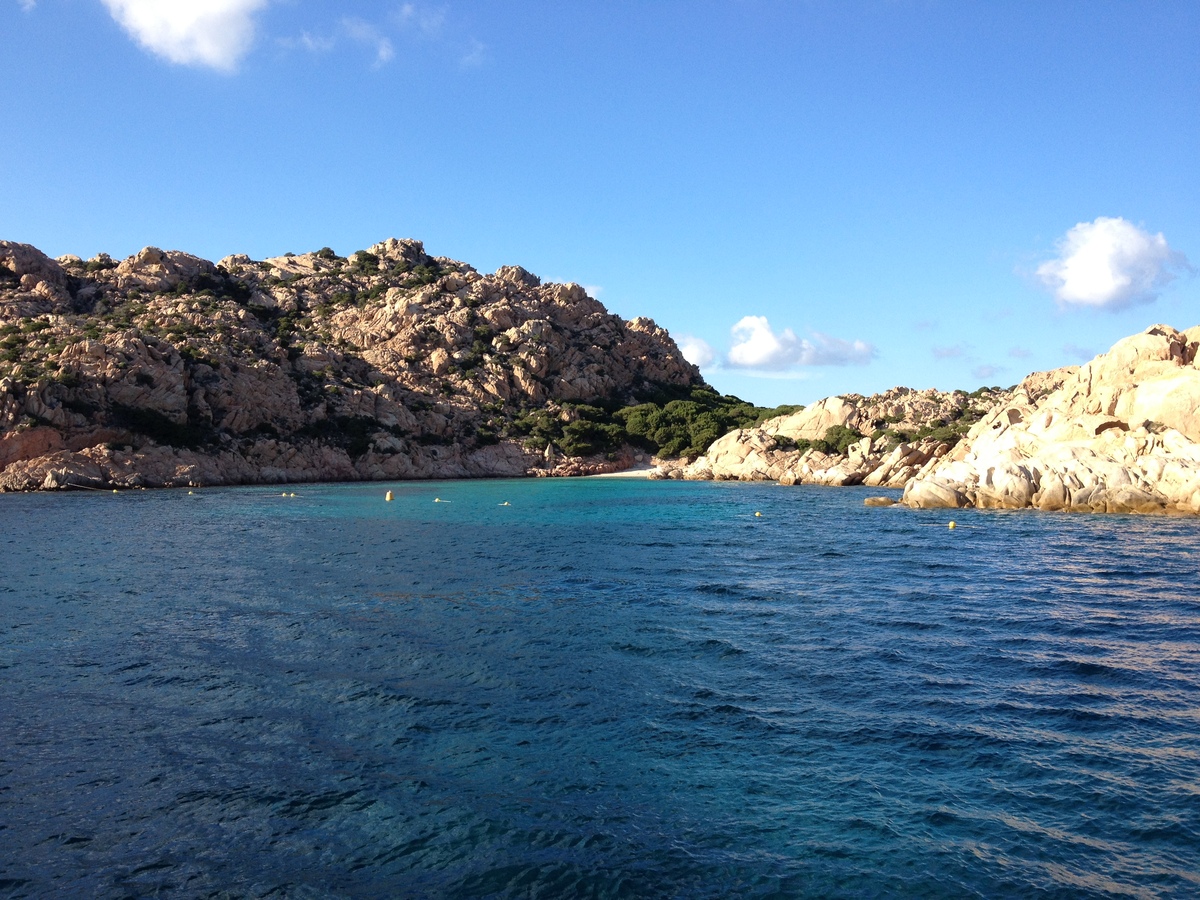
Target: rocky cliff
883,440
167,369
1120,434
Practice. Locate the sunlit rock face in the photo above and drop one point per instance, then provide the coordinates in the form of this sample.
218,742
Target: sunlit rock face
167,369
1120,434
887,439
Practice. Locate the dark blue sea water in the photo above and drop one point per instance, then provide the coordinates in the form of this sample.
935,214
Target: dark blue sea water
607,688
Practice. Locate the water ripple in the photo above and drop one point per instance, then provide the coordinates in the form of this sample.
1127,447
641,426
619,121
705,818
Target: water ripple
604,689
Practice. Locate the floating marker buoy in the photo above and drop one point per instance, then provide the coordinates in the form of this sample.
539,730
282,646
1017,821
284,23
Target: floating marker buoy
388,496
114,490
291,495
758,515
506,503
284,494
953,524
189,493
437,499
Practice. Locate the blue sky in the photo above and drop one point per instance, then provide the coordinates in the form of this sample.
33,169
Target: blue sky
821,197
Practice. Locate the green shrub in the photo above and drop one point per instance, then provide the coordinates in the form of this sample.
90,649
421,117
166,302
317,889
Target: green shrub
584,437
351,433
365,263
159,427
838,439
423,274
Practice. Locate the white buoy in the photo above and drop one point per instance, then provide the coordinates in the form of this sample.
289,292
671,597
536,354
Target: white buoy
388,497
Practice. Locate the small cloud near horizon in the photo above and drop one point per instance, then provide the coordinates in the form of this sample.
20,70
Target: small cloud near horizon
697,351
27,5
757,346
1111,264
1074,351
1019,353
984,372
955,352
215,34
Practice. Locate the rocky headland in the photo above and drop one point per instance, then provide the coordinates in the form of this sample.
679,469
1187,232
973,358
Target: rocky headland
165,369
1119,434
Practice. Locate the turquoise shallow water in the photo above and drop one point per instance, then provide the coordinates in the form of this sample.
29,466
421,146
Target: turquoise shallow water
607,688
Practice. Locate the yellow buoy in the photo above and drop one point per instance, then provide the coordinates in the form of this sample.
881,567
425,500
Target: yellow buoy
388,497
506,503
114,490
189,493
284,494
758,515
953,524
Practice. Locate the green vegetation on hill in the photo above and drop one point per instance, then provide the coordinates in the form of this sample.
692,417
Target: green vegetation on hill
837,439
674,423
951,429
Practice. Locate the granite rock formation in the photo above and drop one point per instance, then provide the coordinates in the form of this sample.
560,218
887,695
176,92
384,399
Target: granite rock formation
1119,434
885,440
166,369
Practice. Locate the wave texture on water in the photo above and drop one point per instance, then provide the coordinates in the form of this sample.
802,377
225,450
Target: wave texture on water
608,688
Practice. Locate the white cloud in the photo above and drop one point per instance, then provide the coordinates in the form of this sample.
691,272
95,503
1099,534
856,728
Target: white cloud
406,24
593,290
27,5
428,21
366,33
213,33
697,351
825,350
1111,264
1019,353
313,43
756,346
985,372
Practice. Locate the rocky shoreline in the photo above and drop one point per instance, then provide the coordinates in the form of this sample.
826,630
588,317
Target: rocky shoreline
167,370
881,441
1120,434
